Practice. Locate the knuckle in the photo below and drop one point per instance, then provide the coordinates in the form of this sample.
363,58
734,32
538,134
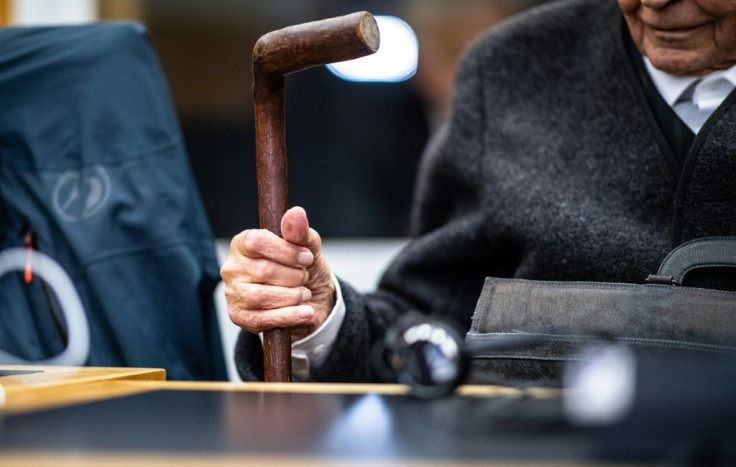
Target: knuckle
255,322
250,240
249,296
237,316
229,293
237,242
264,270
257,269
237,293
234,315
258,298
268,298
227,271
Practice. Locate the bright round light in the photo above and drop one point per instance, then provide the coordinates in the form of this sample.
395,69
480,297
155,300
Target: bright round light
600,385
395,60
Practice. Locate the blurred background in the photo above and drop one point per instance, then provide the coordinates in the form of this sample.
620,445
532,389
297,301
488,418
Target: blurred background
353,146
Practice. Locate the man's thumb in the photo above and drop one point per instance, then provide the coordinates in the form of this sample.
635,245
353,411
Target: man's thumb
295,226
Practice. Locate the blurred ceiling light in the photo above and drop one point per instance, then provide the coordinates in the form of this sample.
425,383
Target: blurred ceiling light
396,59
44,12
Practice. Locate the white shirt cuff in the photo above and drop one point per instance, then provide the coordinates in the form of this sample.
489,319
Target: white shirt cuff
310,352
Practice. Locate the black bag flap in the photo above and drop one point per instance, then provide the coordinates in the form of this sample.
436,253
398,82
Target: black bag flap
648,315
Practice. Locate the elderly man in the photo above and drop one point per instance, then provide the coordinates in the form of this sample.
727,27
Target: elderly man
586,141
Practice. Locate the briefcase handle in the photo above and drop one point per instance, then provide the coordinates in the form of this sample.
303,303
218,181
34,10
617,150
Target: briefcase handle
706,252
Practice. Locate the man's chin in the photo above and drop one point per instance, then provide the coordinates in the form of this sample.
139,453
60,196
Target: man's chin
680,62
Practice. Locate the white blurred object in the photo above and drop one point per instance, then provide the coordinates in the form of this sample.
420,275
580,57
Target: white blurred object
45,268
600,385
360,262
47,12
395,60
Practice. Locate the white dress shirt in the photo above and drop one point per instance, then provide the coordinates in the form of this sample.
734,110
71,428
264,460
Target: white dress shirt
693,98
311,351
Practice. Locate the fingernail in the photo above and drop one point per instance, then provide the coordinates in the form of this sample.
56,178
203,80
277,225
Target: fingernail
306,295
306,277
305,312
305,258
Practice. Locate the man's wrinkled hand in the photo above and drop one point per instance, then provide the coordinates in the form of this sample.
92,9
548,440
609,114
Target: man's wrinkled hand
273,282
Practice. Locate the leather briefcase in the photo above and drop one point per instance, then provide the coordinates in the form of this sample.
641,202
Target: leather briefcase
551,321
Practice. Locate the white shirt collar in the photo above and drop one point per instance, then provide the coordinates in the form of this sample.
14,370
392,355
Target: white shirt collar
671,87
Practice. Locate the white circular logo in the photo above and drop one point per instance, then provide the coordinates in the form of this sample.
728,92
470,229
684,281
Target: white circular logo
80,194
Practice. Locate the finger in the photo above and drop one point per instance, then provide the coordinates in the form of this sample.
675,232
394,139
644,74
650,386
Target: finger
262,271
250,296
265,320
260,243
295,229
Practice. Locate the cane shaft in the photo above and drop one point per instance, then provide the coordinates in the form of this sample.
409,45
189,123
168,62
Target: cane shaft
271,173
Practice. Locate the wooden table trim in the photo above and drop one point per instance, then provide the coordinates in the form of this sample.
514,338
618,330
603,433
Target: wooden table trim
58,386
52,386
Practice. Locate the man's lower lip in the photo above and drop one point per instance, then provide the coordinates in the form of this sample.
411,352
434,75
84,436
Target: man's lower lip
674,30
675,34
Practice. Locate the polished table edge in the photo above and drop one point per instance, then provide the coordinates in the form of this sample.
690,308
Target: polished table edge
155,459
50,387
347,388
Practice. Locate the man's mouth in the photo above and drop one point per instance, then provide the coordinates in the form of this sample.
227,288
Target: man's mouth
676,28
675,32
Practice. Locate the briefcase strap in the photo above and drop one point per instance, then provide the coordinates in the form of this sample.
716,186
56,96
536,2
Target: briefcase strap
708,252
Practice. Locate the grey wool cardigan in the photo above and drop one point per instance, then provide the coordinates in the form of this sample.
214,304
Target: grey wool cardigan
552,167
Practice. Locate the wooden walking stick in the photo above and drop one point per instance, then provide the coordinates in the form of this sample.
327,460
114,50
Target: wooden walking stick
275,55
